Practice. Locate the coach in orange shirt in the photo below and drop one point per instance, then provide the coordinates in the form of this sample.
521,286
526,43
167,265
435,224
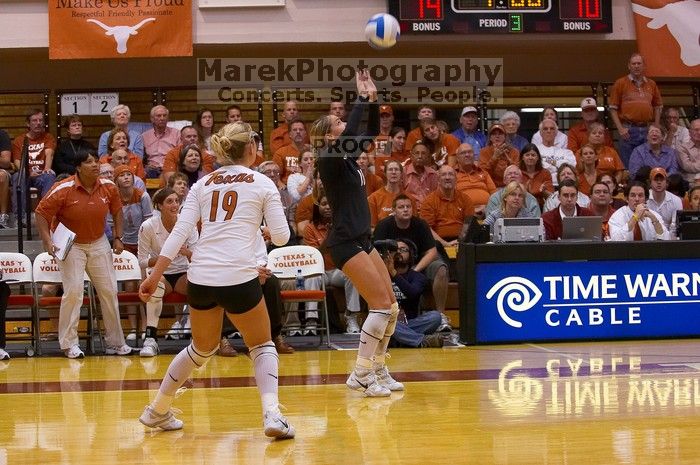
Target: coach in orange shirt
446,208
81,203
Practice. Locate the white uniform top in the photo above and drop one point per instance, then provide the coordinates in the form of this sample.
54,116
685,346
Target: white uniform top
152,236
231,203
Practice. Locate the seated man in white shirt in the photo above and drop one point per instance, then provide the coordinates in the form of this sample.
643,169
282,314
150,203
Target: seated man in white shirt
635,221
663,202
552,156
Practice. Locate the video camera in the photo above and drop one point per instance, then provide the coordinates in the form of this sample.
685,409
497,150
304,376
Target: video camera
384,246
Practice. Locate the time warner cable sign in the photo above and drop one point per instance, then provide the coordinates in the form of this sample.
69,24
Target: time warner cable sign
540,301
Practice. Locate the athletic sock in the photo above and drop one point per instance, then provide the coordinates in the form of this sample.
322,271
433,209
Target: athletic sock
178,372
266,364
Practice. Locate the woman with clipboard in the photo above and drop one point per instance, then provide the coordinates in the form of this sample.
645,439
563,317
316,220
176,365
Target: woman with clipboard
81,203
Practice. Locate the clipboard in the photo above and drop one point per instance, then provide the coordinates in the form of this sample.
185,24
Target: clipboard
63,238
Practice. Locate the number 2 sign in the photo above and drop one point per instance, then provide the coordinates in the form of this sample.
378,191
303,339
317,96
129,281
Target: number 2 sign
89,104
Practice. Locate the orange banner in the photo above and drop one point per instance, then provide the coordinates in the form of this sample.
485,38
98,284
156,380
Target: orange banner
119,28
668,36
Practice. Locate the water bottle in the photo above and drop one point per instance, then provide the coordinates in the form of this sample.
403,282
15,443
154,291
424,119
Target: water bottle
300,281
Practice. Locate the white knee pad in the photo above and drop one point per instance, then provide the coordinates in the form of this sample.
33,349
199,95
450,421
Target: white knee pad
198,357
391,326
375,324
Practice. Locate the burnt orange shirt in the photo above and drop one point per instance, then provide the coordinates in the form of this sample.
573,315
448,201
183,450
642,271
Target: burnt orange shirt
577,137
279,137
381,205
372,182
412,137
314,236
446,216
305,209
445,150
477,184
135,164
534,184
635,102
497,166
609,161
287,158
82,212
37,151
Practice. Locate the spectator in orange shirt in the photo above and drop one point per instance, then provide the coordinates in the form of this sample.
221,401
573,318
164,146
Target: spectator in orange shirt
444,145
635,101
536,178
420,179
472,180
609,161
381,201
446,208
280,135
188,136
587,169
41,146
601,205
372,182
287,157
424,111
498,154
118,139
395,149
578,133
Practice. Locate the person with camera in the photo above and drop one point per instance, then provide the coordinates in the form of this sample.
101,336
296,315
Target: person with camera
413,328
429,262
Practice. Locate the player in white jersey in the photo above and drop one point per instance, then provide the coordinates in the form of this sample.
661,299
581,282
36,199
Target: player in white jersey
152,235
231,203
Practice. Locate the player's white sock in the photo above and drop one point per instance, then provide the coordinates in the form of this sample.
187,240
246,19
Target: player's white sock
178,372
266,363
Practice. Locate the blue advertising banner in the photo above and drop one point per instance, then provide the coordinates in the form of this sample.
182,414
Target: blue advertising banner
541,301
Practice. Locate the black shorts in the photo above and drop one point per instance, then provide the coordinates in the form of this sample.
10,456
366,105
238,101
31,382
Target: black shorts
236,299
172,278
341,253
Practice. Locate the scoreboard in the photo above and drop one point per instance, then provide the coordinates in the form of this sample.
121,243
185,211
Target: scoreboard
502,16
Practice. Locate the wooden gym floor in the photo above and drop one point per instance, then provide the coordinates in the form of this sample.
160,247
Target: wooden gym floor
577,403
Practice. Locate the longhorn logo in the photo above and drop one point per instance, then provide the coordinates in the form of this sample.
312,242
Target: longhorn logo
121,33
682,19
517,294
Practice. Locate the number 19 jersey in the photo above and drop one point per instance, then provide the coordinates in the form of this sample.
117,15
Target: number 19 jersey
231,203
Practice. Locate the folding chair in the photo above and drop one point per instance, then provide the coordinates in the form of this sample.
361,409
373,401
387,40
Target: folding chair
17,273
127,269
286,262
46,271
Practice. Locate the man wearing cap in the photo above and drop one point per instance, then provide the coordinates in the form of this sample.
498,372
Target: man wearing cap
578,133
635,221
386,122
498,154
689,154
663,202
468,132
653,153
635,101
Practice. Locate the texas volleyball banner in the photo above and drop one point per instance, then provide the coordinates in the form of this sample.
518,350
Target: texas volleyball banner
667,36
119,28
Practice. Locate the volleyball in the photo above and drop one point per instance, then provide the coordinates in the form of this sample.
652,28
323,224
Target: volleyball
382,31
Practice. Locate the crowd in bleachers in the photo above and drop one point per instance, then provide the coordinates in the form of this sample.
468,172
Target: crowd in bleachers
422,182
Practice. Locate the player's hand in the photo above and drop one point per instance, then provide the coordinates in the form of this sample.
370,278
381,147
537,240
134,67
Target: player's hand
263,273
148,287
